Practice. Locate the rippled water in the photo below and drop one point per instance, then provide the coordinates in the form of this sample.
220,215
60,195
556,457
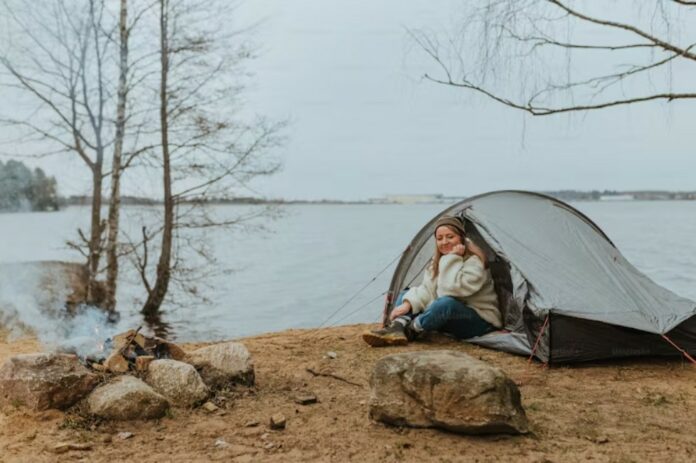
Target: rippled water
312,261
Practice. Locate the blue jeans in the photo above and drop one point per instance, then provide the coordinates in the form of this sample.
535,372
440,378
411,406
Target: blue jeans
449,315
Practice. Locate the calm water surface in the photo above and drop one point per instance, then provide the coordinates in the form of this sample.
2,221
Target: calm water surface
313,260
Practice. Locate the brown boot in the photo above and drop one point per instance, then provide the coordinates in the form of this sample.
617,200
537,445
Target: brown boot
393,335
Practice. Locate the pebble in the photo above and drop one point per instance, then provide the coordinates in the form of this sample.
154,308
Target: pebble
278,421
331,354
251,423
305,399
210,407
221,444
68,446
125,435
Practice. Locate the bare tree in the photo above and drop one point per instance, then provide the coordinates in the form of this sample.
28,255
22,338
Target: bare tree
557,56
207,150
57,58
116,164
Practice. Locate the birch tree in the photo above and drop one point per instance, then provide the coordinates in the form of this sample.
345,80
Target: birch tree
116,163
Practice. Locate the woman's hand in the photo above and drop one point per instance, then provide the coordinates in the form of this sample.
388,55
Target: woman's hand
400,310
477,251
458,249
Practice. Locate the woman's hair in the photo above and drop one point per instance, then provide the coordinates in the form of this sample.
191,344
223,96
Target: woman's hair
435,263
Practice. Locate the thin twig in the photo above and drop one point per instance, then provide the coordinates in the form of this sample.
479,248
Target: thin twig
331,375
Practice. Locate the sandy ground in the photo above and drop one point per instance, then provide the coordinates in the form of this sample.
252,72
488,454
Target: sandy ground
640,410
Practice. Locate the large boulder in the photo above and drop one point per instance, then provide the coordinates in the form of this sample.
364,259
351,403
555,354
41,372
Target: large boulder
445,389
223,365
43,381
177,381
127,398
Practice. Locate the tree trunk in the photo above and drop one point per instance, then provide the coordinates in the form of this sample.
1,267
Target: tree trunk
94,255
115,198
159,289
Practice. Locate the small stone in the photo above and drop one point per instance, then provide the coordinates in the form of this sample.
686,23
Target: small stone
61,448
159,437
116,363
221,444
107,439
210,407
65,447
251,423
331,354
305,399
278,421
269,445
251,432
142,362
125,435
264,436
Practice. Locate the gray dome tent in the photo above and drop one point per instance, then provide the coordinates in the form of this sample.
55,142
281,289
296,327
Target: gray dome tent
566,292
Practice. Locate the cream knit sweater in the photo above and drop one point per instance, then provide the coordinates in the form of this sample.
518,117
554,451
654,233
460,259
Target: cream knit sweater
464,278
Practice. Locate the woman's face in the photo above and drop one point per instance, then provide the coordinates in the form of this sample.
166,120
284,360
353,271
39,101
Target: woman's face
446,239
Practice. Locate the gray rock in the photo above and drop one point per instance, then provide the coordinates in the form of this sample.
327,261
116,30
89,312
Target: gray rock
445,389
177,381
225,364
127,398
43,381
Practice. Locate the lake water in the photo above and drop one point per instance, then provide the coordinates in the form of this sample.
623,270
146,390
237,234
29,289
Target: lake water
312,261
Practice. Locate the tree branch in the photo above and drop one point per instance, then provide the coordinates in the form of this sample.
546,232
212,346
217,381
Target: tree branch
626,27
545,111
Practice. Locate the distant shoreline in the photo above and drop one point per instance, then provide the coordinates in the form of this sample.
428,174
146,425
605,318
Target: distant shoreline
563,195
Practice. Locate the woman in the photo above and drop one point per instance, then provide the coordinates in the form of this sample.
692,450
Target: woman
456,296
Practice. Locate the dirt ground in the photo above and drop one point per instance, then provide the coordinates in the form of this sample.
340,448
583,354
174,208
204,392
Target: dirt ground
639,410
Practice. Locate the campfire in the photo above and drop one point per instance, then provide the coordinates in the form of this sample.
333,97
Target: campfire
132,351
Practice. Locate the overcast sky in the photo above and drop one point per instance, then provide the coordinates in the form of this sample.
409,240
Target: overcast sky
365,124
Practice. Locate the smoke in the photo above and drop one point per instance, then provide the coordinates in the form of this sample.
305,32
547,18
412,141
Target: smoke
32,302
